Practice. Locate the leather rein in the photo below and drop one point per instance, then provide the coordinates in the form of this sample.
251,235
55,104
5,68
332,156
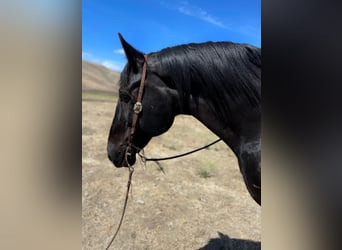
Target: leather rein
137,108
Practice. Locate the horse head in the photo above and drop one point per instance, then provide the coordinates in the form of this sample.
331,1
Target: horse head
158,108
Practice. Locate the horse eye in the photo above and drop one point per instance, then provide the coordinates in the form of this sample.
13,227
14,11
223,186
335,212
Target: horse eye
124,96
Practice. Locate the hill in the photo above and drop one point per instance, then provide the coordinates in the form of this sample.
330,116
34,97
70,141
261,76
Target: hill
97,78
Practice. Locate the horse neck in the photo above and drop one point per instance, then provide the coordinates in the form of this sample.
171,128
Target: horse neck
199,109
222,114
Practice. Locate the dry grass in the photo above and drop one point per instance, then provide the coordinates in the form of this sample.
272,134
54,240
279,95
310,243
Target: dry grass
175,210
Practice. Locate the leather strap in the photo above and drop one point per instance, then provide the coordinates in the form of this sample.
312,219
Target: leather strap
138,106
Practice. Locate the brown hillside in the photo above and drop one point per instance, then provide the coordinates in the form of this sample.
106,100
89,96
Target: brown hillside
98,78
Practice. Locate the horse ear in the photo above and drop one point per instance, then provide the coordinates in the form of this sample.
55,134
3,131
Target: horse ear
134,57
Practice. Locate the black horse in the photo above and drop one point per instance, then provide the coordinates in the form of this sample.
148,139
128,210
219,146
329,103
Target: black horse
219,83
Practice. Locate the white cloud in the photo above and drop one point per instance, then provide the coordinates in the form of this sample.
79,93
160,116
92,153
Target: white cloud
87,56
113,65
119,51
197,12
185,8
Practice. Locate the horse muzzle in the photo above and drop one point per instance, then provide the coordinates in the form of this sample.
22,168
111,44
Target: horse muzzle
122,156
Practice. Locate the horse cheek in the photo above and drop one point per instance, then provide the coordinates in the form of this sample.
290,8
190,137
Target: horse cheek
156,123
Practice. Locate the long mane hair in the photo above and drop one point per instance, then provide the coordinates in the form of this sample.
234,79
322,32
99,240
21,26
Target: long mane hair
227,75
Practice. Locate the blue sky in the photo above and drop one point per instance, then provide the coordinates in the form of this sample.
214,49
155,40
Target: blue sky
150,25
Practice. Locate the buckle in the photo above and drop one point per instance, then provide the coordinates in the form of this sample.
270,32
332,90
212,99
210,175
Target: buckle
137,107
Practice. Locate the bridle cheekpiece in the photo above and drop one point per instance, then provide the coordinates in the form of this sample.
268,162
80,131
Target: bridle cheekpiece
137,108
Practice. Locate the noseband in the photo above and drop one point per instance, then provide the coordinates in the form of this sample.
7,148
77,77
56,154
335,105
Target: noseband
137,108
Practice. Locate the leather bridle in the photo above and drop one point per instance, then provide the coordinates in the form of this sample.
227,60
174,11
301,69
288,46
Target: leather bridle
137,108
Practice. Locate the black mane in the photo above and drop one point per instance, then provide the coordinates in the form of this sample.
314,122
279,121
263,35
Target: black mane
228,73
